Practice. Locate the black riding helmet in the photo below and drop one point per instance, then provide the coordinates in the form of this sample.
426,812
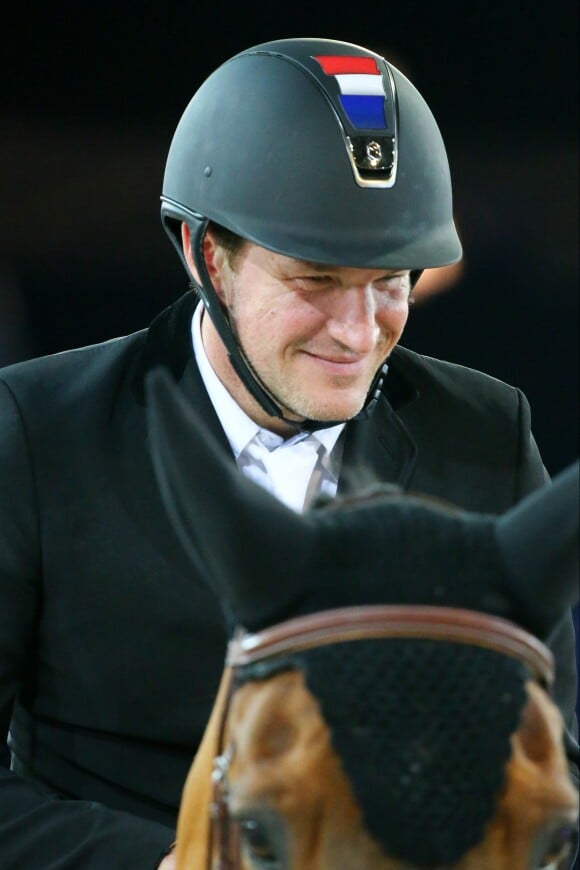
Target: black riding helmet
317,149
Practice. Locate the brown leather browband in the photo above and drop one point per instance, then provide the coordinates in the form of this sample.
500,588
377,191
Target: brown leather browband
393,621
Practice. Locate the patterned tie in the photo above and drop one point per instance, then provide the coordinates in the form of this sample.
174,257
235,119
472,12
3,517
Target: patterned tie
287,465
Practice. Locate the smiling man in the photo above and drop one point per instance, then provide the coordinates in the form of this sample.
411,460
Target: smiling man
315,335
306,187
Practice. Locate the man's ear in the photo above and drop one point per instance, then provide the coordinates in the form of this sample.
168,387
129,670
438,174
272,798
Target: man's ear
186,246
213,255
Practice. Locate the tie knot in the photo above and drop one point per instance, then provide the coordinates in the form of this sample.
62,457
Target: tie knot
300,442
289,465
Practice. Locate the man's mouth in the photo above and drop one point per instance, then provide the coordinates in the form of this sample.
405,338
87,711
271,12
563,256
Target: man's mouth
337,364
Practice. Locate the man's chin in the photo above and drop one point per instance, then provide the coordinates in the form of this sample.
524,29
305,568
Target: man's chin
324,412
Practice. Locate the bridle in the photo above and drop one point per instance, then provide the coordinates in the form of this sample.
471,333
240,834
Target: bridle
342,625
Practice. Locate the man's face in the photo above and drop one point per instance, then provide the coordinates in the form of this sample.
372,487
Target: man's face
316,335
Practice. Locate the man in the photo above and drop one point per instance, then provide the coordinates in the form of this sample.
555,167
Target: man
306,188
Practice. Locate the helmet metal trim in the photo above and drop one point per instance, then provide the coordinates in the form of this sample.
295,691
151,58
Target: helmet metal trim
373,153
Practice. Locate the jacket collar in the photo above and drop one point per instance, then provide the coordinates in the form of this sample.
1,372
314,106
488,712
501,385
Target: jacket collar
167,342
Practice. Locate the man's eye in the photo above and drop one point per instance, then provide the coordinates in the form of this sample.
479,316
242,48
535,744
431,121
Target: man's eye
396,283
310,280
258,846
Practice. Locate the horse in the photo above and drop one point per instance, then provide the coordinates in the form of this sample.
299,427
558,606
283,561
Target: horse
385,701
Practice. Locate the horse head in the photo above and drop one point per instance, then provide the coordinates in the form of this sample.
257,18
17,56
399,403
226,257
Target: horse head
385,701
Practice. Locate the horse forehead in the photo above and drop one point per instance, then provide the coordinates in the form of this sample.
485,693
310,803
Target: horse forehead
283,760
303,779
269,716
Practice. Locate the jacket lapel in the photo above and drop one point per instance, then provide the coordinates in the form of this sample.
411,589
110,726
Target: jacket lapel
168,344
380,447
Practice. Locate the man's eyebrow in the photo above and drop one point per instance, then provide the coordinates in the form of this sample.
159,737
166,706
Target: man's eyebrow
322,267
316,267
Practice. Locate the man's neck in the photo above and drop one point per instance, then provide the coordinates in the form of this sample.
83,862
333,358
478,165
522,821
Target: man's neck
220,362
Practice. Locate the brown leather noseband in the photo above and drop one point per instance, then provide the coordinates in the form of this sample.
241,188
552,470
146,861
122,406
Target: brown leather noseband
356,623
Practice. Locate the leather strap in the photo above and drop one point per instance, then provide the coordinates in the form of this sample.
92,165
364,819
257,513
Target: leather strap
393,621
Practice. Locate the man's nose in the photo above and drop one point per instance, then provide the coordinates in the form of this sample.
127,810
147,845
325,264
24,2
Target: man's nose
352,321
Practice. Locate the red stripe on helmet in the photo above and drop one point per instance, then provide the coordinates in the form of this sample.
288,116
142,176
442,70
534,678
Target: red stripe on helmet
340,64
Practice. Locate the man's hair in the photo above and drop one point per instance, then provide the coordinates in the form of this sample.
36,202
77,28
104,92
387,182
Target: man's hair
229,241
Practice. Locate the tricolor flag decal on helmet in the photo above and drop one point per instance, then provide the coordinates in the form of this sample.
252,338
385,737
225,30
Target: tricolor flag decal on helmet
362,92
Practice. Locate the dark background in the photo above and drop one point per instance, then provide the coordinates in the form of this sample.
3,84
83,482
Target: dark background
89,101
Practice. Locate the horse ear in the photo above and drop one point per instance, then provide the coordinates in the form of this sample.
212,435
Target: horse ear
539,543
218,514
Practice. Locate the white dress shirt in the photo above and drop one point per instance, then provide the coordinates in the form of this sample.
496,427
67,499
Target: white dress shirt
295,470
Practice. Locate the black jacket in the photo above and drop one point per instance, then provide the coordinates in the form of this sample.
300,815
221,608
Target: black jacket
110,643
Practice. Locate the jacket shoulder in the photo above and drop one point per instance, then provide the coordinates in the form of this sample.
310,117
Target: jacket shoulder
95,377
69,374
428,374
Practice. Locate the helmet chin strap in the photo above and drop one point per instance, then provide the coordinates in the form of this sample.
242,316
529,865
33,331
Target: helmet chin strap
240,363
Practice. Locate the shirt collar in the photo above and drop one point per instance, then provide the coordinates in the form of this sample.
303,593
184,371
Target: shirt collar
239,428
